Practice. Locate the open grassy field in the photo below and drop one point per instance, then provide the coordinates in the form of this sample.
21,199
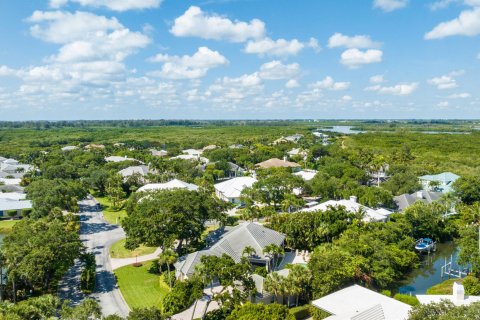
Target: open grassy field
140,288
117,250
113,216
7,225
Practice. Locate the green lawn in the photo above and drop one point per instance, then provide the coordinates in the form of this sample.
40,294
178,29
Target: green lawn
113,216
7,225
140,288
444,287
117,250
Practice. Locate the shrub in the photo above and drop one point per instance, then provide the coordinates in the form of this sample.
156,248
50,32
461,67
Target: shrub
301,312
183,294
405,298
387,293
318,314
261,271
155,267
137,264
472,285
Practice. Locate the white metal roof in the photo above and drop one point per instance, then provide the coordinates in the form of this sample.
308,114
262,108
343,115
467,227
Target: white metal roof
173,184
351,206
14,196
233,188
8,204
356,301
119,159
306,174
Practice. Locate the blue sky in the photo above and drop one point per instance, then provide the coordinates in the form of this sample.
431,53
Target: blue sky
239,59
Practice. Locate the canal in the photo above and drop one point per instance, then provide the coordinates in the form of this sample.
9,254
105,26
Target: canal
429,272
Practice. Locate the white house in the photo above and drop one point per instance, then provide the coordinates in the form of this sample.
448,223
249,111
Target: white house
12,204
359,303
191,157
351,205
193,152
119,159
306,174
231,190
173,184
458,297
69,148
158,153
297,152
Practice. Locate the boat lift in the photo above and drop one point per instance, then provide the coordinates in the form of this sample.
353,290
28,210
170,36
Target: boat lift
449,271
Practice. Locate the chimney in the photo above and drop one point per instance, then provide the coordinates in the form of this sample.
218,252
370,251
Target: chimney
353,199
458,293
420,194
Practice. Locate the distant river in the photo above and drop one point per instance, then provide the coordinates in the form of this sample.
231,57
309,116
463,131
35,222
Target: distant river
348,130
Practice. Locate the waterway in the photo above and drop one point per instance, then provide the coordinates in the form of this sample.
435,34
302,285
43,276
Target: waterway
348,130
429,272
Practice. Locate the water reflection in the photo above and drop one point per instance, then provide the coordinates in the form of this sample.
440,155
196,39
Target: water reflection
429,272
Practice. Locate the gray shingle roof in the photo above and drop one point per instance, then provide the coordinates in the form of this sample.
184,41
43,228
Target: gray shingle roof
405,200
232,243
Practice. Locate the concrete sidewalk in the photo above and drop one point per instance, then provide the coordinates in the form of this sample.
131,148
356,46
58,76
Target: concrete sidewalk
118,263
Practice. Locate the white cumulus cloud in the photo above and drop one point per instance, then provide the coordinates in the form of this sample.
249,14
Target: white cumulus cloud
390,5
463,95
354,58
329,84
188,67
358,41
279,48
276,70
115,5
377,78
196,23
466,24
447,81
292,83
402,89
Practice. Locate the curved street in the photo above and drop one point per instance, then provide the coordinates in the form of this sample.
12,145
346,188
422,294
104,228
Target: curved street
97,235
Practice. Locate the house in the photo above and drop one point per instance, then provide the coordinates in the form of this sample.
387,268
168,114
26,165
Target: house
277,163
191,157
69,148
233,242
441,182
306,174
119,159
12,169
173,184
359,303
158,153
141,170
12,204
457,297
297,152
231,190
294,138
235,170
193,152
94,146
236,146
351,205
209,147
405,200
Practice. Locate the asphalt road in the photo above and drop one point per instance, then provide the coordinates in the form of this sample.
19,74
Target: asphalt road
97,235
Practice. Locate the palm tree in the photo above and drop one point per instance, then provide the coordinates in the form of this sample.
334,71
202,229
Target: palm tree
275,284
168,257
448,201
248,251
299,279
272,250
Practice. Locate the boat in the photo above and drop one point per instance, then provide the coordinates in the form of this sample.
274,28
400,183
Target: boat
425,244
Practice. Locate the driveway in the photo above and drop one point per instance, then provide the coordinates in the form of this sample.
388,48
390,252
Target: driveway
97,235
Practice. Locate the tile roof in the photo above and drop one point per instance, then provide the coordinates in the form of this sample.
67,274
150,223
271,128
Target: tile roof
277,163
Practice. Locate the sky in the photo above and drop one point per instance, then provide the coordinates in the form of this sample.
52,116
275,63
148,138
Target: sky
239,59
